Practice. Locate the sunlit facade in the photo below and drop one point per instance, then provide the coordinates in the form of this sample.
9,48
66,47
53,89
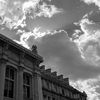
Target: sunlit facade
22,77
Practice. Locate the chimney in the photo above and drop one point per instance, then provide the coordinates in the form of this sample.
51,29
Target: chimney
54,73
42,67
48,70
60,77
66,80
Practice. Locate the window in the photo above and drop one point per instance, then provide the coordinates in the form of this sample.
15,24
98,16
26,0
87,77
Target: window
44,83
49,98
9,82
63,93
48,84
27,85
44,97
53,99
55,87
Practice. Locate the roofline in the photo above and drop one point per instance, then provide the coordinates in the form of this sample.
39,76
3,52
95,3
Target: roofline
27,51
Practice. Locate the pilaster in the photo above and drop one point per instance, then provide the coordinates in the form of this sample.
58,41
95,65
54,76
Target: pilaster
20,83
37,86
5,50
2,77
21,59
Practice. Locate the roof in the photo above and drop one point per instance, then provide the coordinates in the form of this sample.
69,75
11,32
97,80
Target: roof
58,79
20,47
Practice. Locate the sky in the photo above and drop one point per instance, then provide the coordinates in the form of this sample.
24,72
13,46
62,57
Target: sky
66,32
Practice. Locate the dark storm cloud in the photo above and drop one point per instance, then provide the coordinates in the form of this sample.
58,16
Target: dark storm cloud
62,54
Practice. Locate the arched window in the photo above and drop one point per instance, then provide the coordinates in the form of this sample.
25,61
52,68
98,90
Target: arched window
9,88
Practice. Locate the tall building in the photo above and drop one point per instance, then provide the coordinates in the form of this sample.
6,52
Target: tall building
22,77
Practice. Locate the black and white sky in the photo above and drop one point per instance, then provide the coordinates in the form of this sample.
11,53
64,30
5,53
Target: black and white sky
66,32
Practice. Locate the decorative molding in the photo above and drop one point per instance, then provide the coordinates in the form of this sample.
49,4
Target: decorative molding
34,49
3,60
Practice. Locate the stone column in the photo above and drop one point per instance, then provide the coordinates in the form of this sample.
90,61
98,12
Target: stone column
37,86
20,83
2,77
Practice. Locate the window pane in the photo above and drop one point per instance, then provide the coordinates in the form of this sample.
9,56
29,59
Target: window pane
25,92
53,99
49,98
28,92
11,88
63,93
27,84
12,74
9,82
44,97
6,88
7,72
27,80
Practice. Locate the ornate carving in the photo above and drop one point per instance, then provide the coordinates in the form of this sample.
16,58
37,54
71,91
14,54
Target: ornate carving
34,49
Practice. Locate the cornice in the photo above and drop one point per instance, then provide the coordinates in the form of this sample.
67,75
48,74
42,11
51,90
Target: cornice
23,49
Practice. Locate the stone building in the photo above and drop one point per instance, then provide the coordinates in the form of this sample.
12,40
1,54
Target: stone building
22,77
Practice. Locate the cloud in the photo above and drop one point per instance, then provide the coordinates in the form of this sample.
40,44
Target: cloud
12,15
61,54
15,13
38,10
3,6
88,40
90,86
96,2
48,10
35,33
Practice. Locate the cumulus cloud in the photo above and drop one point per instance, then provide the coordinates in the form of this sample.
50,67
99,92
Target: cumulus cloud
36,33
3,6
96,2
90,86
48,10
88,40
63,55
15,13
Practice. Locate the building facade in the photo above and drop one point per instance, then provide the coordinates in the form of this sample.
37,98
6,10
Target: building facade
22,77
